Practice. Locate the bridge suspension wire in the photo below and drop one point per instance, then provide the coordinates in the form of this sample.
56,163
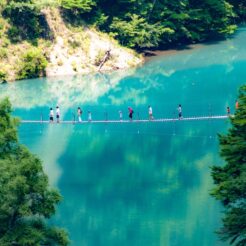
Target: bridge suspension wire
161,120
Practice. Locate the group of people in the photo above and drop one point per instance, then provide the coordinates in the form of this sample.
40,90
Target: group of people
130,113
80,112
57,114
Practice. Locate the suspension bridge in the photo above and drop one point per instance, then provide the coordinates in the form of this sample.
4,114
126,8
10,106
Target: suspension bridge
106,121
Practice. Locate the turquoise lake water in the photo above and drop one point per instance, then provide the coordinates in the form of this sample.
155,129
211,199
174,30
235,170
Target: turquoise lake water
136,184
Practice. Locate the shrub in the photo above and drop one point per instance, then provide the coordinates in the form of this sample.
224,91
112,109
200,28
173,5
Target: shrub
5,42
33,64
74,42
3,76
99,58
14,34
3,53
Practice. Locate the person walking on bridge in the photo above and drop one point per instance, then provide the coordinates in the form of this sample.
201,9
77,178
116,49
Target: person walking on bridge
51,115
236,105
121,115
180,111
228,111
57,114
89,116
150,113
130,110
79,113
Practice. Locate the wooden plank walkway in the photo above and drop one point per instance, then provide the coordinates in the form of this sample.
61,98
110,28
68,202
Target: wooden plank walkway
214,117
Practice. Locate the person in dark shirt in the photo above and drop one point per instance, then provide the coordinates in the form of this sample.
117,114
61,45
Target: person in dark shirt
228,111
130,110
79,113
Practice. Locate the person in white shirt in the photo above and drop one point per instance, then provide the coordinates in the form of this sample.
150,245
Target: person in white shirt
89,116
121,115
57,114
180,111
51,115
150,113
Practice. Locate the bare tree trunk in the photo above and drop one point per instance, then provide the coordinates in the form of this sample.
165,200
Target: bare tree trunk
105,58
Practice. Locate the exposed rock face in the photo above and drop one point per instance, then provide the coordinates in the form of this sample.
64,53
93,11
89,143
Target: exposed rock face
82,50
69,50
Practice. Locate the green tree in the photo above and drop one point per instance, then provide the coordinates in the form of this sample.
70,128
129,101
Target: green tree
25,18
136,32
230,179
2,76
26,200
33,64
154,23
239,7
78,6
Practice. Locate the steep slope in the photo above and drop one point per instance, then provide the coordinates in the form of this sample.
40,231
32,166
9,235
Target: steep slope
70,51
82,50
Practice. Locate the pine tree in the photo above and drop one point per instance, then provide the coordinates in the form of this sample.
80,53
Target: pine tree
230,179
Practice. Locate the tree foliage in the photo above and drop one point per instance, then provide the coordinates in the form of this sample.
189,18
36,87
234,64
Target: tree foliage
25,197
33,64
2,76
135,23
78,6
154,23
230,179
27,22
239,8
136,30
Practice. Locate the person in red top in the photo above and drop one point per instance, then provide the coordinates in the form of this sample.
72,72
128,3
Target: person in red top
237,105
130,110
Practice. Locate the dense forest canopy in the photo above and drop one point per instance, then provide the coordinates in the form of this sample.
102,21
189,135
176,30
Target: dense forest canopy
135,23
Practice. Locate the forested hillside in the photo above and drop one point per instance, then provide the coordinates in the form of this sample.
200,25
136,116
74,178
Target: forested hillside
62,35
154,23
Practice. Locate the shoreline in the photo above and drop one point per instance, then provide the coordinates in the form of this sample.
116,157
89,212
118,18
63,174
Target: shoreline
146,56
149,55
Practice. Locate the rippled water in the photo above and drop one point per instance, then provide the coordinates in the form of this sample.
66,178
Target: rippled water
136,184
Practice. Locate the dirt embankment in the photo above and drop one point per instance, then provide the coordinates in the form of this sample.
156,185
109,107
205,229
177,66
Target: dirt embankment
73,50
83,50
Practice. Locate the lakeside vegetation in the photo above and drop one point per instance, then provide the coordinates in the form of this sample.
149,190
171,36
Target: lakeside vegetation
26,200
154,23
136,24
230,179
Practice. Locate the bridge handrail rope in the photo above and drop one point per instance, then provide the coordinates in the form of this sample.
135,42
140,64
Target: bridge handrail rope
215,117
